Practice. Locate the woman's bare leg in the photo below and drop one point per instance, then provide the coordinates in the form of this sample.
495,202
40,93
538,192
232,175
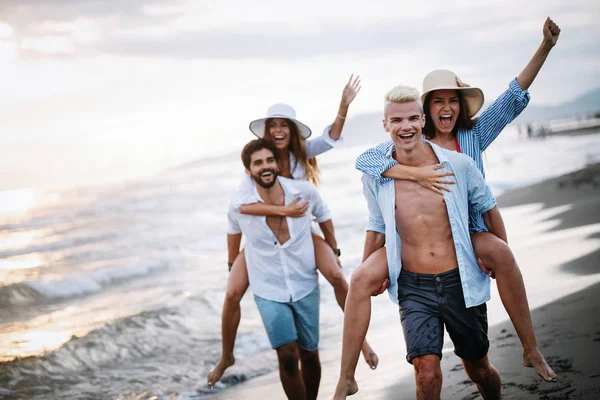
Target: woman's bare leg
237,284
497,256
327,263
366,280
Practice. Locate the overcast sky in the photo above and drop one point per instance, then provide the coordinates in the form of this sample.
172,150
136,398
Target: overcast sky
95,91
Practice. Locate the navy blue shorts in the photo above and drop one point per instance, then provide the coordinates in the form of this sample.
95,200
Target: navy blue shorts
430,302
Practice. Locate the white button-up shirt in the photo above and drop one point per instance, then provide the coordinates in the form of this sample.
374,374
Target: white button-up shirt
279,272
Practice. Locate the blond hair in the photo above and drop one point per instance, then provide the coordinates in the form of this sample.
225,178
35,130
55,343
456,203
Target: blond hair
401,95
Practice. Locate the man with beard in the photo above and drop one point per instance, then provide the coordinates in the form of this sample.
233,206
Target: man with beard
281,266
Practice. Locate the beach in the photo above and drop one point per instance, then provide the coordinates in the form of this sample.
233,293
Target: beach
567,328
115,292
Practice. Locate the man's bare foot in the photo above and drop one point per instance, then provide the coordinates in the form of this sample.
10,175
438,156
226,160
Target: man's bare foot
345,387
535,359
217,372
369,355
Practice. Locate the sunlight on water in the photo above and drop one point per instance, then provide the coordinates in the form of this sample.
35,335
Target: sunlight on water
17,240
26,262
34,343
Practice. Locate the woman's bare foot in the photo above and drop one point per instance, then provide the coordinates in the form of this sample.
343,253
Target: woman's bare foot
369,355
345,387
217,372
535,359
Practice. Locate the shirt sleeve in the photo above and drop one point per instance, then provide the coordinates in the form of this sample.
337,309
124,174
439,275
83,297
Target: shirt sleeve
233,213
321,144
318,207
376,221
500,113
480,194
374,162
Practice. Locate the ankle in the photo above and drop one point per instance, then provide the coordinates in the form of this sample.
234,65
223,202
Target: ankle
531,349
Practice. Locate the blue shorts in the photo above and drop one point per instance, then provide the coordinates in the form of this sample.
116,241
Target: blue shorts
292,321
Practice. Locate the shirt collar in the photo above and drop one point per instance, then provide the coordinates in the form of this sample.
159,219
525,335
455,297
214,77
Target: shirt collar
439,152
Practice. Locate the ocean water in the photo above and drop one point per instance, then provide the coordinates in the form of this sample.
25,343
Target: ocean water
116,291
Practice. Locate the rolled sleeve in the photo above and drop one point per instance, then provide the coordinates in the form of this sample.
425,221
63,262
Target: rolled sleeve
233,213
500,113
374,162
376,222
320,210
321,144
520,95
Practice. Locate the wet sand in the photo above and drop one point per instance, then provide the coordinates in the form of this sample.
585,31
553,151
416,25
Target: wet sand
568,329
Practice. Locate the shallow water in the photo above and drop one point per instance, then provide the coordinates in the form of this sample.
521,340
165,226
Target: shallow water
116,291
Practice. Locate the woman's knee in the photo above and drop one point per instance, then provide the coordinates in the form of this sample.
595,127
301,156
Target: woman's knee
235,294
365,278
494,252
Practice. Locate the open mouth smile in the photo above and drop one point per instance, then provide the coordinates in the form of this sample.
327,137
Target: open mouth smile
446,120
406,136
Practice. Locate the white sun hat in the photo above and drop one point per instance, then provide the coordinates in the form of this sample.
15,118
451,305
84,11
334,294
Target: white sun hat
279,110
441,79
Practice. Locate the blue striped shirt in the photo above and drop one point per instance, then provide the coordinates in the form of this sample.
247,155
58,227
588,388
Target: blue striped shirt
500,113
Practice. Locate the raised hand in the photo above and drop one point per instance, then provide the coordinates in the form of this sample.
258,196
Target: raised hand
351,90
295,209
431,179
551,32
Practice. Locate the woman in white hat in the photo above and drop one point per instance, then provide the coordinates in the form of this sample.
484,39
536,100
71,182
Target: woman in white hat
297,161
450,106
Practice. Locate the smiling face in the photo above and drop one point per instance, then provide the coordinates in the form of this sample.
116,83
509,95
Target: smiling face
263,168
404,122
444,110
278,131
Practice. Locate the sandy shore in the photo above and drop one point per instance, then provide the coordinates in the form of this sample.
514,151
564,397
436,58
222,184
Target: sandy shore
568,329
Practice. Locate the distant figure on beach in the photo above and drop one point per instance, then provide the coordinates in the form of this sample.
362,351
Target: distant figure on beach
297,161
433,270
280,259
450,106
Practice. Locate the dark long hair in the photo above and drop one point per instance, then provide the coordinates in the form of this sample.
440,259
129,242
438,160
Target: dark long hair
297,148
463,122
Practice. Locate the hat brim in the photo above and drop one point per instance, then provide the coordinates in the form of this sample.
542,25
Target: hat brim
258,127
473,97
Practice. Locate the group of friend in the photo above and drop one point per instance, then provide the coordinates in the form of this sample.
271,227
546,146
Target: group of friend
434,239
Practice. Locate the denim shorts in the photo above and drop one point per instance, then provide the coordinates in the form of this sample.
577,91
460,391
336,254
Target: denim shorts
430,302
292,321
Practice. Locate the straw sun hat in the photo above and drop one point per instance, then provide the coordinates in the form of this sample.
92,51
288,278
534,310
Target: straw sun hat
279,110
441,79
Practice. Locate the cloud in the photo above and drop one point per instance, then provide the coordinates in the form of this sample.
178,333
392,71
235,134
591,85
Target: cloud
235,30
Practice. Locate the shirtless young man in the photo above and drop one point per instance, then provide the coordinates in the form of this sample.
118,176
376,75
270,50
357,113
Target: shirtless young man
433,271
